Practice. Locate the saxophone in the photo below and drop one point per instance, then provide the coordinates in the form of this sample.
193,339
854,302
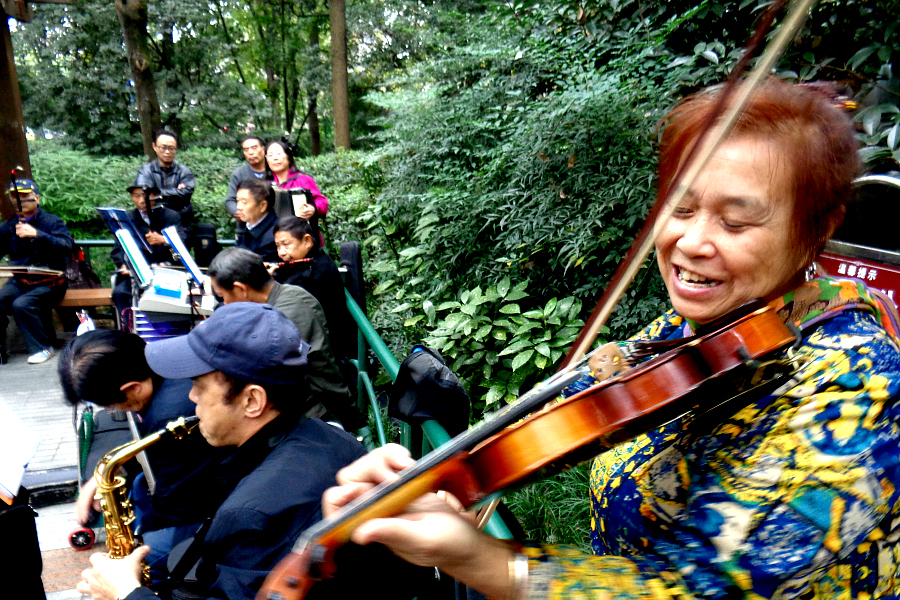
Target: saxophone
117,509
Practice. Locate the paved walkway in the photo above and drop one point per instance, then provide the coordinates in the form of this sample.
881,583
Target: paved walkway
34,394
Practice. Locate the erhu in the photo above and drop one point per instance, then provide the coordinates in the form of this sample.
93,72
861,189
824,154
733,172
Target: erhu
116,506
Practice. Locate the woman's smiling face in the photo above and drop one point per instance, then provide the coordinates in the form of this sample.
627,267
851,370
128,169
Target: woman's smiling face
730,239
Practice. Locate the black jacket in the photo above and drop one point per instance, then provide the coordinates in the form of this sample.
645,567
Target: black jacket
261,239
185,469
50,249
321,278
167,179
276,480
160,218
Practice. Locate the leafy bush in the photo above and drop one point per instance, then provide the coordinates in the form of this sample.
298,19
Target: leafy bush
495,346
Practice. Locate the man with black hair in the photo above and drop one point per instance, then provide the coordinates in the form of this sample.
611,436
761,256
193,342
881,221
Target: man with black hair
255,208
149,219
247,362
254,168
108,368
175,181
238,275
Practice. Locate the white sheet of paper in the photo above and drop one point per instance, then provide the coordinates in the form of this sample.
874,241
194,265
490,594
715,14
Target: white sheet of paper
18,445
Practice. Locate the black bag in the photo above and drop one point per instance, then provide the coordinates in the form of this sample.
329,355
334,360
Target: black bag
79,274
427,389
206,246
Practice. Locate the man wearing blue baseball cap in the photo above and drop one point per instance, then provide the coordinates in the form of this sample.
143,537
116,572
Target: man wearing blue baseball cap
32,238
247,363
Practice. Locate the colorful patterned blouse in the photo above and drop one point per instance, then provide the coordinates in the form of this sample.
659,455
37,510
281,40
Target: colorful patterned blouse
794,495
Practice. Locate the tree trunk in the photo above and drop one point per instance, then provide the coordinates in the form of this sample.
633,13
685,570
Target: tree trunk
339,91
133,18
315,140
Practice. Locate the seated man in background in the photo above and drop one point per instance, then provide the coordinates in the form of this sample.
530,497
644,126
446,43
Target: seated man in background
149,219
238,275
255,208
32,238
247,363
306,264
108,368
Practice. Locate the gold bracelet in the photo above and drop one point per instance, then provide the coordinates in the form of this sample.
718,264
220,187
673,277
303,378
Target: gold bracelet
518,576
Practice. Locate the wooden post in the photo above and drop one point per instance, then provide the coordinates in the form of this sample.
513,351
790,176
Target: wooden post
14,146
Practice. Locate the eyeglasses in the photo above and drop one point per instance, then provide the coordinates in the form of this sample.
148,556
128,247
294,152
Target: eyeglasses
167,148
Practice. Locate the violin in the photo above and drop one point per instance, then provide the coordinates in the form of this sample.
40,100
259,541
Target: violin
518,444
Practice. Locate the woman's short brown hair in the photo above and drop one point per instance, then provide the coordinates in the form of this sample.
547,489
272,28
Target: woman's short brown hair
816,138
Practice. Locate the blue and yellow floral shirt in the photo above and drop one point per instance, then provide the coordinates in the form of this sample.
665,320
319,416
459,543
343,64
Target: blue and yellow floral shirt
794,495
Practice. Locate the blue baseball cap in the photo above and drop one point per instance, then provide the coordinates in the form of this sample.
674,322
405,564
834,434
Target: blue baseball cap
244,340
24,186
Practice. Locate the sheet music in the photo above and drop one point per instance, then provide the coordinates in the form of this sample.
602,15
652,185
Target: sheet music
181,251
18,445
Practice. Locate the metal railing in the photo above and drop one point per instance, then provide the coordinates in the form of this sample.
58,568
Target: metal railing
431,435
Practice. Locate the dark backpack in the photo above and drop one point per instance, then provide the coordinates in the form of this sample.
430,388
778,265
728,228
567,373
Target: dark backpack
427,389
79,274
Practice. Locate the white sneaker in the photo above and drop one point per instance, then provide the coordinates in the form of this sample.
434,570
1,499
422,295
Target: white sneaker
39,357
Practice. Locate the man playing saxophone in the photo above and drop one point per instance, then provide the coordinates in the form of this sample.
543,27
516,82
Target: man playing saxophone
247,364
109,368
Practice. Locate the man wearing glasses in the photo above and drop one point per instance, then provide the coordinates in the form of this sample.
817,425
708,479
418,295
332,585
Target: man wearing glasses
255,166
175,181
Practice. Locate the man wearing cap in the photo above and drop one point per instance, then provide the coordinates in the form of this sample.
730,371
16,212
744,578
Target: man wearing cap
108,368
247,363
175,181
149,219
32,238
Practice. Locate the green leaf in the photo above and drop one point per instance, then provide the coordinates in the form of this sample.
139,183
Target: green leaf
428,307
383,286
533,314
515,347
543,349
400,308
448,305
550,307
503,286
510,309
469,309
413,320
494,395
482,332
499,334
522,359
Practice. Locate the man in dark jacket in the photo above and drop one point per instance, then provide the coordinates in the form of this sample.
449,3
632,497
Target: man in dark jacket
149,219
175,181
254,168
238,275
108,368
255,208
37,239
247,362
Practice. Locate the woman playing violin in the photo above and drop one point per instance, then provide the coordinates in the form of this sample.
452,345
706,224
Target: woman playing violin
794,492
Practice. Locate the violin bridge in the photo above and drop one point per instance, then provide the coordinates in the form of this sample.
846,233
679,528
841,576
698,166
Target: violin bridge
608,361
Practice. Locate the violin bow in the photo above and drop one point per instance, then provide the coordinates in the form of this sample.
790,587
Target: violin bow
15,189
697,160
